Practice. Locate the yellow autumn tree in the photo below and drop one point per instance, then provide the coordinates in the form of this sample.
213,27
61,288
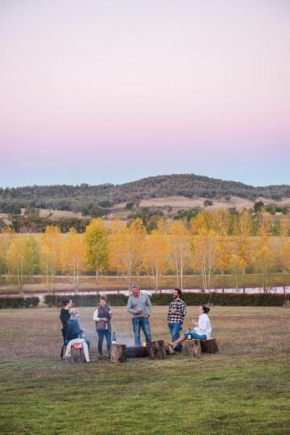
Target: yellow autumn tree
155,252
22,258
7,234
283,257
96,239
127,247
221,220
204,252
178,249
73,256
264,257
202,220
242,237
50,247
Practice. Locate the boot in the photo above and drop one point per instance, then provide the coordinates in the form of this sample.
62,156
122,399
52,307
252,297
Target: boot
100,355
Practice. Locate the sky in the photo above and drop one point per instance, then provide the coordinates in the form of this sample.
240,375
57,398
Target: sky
110,91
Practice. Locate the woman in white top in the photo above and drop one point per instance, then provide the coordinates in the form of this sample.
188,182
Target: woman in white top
201,330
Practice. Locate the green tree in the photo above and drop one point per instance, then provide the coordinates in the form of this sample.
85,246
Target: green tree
96,240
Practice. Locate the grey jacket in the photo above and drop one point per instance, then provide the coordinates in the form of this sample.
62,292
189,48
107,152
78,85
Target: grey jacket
143,303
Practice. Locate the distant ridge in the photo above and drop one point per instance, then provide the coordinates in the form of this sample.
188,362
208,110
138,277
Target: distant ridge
67,197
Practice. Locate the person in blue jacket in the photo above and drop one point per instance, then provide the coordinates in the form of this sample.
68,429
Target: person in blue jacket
73,329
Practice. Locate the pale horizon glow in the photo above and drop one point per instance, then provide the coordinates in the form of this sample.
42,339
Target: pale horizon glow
109,92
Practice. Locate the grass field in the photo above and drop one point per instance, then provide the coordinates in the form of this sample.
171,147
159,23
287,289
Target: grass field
245,389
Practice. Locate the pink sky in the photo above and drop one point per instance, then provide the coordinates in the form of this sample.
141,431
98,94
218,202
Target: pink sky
110,91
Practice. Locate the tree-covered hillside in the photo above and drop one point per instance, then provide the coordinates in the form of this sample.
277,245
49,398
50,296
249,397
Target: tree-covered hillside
83,197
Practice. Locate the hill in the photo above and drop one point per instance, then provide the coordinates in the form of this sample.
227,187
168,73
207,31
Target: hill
84,198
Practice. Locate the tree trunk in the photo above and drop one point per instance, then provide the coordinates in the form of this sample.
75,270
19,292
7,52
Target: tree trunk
118,353
156,349
193,348
209,346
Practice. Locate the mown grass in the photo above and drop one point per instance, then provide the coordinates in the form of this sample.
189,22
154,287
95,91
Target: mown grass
242,390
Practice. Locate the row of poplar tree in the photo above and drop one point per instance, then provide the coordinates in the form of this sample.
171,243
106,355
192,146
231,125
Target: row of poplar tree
208,244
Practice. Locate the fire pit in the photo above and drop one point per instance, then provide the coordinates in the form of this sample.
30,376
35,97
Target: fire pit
137,352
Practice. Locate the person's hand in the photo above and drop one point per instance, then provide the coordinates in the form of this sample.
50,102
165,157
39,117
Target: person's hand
172,311
147,316
138,311
104,319
194,322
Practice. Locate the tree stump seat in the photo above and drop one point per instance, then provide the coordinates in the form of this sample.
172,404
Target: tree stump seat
77,354
193,348
157,349
118,353
196,347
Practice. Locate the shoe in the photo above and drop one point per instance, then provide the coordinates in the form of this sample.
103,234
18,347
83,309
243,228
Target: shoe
109,356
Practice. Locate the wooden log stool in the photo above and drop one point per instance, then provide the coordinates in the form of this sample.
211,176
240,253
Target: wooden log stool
77,354
157,349
193,348
209,346
118,353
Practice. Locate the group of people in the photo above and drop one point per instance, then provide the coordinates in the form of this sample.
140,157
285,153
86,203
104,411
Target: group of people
139,305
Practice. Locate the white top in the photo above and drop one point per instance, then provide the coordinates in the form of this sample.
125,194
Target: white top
204,326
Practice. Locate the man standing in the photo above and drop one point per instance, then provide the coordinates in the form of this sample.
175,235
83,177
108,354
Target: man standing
175,318
139,305
64,318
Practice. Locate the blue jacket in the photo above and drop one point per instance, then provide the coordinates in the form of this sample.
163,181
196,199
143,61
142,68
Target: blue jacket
73,330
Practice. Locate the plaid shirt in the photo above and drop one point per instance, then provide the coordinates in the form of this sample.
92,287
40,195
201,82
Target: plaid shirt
177,305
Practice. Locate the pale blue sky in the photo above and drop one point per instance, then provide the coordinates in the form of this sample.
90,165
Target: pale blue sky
112,91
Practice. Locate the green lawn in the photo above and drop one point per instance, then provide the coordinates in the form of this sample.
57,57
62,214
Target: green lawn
245,389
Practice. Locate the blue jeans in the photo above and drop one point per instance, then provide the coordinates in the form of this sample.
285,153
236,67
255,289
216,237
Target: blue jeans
101,334
174,329
138,323
195,335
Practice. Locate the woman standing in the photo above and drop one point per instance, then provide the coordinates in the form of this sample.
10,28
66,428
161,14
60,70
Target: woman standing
202,329
64,318
102,317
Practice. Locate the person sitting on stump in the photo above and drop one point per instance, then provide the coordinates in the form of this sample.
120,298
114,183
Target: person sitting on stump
102,317
73,329
202,329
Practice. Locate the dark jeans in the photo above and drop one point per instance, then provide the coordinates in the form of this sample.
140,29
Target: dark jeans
63,336
138,323
174,331
104,333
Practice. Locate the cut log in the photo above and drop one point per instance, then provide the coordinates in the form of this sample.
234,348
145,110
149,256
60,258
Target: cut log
156,349
77,355
137,352
193,348
118,353
209,346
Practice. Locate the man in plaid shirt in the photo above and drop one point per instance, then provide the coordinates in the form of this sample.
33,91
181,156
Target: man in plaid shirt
175,318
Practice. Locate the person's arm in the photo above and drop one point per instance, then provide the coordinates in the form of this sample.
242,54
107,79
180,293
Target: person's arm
149,305
96,315
202,323
130,307
62,317
183,310
79,331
